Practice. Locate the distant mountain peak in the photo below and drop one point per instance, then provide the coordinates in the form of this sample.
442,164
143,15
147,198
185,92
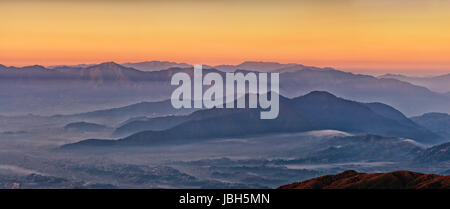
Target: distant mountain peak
106,65
320,94
34,67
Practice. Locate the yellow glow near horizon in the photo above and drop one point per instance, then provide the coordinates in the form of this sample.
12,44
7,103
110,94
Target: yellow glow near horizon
358,35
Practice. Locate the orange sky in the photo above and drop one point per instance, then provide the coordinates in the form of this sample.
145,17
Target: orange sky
359,35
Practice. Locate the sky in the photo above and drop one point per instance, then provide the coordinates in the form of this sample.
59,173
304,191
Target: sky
402,36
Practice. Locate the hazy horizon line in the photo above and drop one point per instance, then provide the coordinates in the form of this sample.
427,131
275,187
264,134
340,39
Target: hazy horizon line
367,71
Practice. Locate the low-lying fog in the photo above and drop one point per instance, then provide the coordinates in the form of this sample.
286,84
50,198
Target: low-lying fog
30,158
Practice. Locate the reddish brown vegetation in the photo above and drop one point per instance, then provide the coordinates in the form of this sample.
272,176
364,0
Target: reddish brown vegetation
393,180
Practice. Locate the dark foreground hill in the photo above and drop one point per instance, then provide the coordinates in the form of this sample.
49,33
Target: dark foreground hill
314,111
393,180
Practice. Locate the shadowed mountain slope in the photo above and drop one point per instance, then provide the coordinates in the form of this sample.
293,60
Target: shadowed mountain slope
314,111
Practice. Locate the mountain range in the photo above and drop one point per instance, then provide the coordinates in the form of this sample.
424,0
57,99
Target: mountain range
314,111
408,98
70,89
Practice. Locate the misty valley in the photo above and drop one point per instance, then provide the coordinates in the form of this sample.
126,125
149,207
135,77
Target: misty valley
113,126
